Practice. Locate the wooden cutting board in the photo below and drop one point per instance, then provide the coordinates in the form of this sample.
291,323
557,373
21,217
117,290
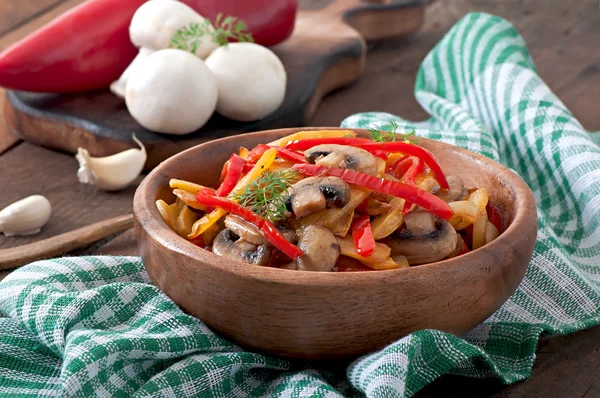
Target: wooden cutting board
327,51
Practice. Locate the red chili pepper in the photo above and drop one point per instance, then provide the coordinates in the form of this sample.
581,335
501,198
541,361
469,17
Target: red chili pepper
235,167
494,216
269,21
402,147
88,47
207,197
422,198
363,235
283,153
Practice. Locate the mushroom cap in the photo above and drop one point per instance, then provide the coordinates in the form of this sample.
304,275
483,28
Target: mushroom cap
172,92
155,23
342,156
250,78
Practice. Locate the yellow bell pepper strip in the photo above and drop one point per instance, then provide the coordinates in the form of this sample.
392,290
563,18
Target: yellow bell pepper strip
185,185
480,198
207,197
422,198
379,259
383,225
304,135
209,219
376,148
167,212
189,199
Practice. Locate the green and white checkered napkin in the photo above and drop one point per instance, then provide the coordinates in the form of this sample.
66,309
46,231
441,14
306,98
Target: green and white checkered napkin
94,326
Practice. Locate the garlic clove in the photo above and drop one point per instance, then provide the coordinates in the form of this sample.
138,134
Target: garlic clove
111,173
26,216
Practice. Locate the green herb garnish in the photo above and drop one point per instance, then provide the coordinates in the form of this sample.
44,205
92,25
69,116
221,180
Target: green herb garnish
189,37
266,195
388,133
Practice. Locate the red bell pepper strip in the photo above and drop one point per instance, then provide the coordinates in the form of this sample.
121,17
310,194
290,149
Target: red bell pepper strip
407,169
207,197
235,167
422,198
247,167
464,249
283,153
402,147
88,47
85,48
494,216
363,235
308,143
269,21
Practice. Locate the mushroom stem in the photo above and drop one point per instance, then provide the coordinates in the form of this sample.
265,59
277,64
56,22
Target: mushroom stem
118,86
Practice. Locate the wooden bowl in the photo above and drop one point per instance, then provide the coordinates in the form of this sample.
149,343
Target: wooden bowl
333,315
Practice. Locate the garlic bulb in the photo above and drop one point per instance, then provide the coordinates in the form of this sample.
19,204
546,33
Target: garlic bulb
26,216
111,173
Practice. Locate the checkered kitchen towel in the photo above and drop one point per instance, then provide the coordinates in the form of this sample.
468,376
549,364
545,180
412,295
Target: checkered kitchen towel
95,326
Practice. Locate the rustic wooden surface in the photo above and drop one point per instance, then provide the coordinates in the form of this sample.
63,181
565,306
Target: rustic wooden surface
563,38
323,54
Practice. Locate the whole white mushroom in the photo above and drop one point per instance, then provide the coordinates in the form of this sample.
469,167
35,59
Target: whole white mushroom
152,28
172,92
250,78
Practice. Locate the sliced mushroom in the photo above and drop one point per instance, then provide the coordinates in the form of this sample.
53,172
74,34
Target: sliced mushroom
317,193
321,250
289,234
425,240
342,156
456,192
229,245
245,230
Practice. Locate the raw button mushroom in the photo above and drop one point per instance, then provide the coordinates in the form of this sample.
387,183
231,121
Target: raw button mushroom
251,81
152,28
172,92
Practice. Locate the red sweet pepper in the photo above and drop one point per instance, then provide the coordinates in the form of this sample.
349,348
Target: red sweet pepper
283,153
362,234
88,47
208,197
233,172
378,148
422,198
269,21
407,169
494,216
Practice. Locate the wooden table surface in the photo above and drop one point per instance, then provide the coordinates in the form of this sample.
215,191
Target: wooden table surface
564,38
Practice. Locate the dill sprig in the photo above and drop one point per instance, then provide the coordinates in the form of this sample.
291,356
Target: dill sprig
266,195
189,37
387,133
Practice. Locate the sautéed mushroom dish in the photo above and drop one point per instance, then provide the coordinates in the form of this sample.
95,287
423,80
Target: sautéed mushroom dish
331,202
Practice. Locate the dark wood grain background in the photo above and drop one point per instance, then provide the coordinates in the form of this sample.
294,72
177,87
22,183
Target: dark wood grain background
564,39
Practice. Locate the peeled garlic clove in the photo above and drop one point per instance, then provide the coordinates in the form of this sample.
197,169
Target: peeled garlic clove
25,217
111,173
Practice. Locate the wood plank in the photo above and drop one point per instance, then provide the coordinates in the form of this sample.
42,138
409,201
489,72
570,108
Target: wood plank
35,170
562,37
123,245
15,13
25,29
566,366
7,136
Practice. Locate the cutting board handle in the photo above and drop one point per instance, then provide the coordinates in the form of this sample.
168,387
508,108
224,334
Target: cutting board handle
379,19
